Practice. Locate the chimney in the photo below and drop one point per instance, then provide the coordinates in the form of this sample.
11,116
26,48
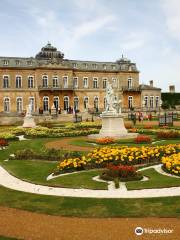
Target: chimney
172,88
151,83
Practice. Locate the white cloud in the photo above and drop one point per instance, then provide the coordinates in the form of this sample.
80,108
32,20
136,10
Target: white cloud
171,10
92,26
133,41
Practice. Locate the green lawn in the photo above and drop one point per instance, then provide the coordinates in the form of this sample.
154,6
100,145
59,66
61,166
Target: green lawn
156,180
35,144
91,207
37,171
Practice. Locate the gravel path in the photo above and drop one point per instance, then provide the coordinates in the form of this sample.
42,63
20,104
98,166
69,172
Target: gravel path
65,143
9,181
33,226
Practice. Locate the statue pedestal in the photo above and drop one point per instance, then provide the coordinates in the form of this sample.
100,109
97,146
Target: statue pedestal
29,122
113,126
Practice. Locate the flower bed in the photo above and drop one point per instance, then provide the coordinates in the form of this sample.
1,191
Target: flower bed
123,173
143,139
100,157
3,142
168,134
45,154
172,164
105,140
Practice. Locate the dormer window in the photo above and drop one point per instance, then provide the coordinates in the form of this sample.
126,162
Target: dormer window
74,65
113,67
6,62
104,66
17,62
94,66
85,65
29,63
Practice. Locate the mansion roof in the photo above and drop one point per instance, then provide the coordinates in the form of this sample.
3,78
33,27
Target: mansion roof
50,57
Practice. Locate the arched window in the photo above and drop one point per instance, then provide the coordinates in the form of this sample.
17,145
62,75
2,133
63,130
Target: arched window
130,101
19,105
66,103
86,100
32,102
18,82
45,81
5,81
76,103
45,104
55,81
65,82
56,102
95,82
96,103
7,104
104,83
30,82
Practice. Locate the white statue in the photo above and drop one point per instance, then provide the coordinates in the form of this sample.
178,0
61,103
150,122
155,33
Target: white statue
110,99
29,110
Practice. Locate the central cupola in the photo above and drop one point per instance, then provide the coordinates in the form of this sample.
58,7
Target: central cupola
49,52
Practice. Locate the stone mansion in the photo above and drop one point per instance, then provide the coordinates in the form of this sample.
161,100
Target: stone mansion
51,80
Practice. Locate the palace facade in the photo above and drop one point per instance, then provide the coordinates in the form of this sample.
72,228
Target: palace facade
49,80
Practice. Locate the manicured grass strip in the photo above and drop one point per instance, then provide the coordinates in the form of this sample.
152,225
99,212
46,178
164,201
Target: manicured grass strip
80,180
90,207
37,171
156,180
7,238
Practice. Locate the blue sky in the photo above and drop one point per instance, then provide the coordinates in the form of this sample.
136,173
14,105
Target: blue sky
147,32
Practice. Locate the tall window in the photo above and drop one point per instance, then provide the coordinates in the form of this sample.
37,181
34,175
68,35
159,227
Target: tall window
5,81
18,82
105,103
130,101
19,105
66,103
65,82
157,101
55,81
86,100
104,66
32,102
85,82
45,81
96,104
56,102
104,83
114,82
151,101
113,67
45,104
146,101
95,83
75,82
30,82
129,82
6,104
76,103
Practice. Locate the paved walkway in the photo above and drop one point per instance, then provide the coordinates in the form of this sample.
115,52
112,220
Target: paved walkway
9,181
